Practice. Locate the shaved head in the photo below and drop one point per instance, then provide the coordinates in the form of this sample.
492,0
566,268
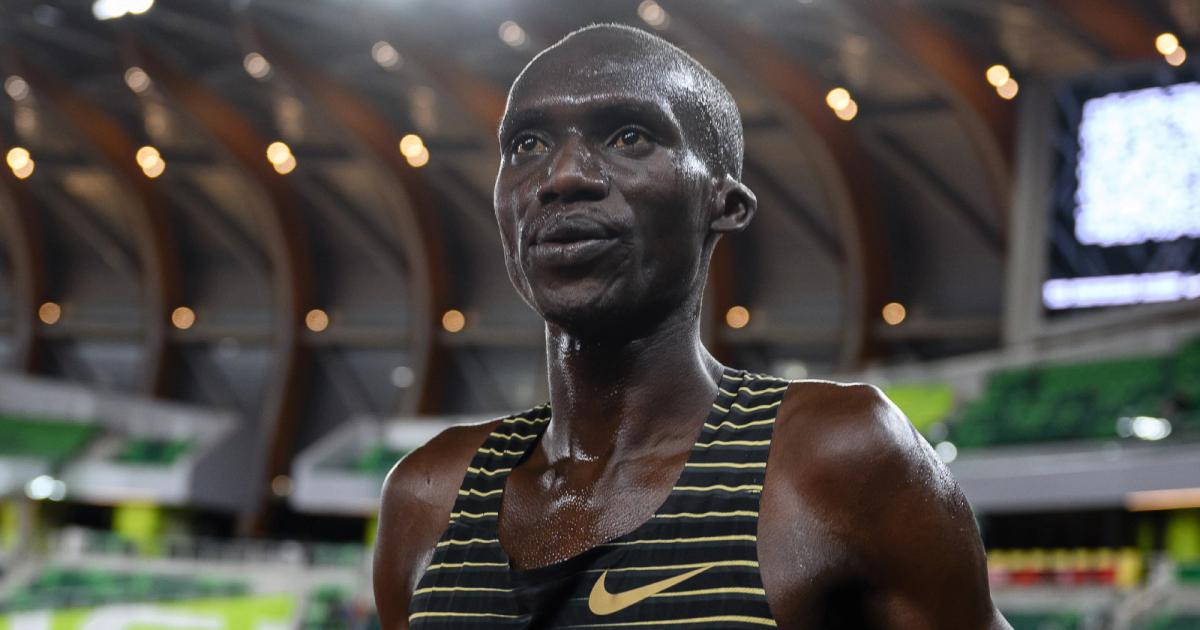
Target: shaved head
624,55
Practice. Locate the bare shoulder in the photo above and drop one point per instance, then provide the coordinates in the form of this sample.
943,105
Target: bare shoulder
431,475
851,434
854,487
850,440
418,496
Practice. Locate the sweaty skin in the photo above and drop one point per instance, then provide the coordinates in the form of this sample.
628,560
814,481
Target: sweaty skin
609,198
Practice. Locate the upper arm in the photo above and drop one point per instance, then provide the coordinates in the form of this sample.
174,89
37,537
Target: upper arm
418,496
871,487
927,549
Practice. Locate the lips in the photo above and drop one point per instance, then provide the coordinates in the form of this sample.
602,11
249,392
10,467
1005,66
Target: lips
572,240
572,230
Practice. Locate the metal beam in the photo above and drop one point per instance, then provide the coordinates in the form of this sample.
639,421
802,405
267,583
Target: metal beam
287,249
347,218
421,235
950,67
763,179
837,155
81,219
916,171
1118,26
26,249
147,216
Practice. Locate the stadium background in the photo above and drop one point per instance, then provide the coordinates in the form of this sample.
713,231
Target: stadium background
248,259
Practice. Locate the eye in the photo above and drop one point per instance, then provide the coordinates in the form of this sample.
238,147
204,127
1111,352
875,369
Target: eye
527,144
627,138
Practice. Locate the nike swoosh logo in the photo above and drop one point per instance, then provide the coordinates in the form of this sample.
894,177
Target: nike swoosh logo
601,602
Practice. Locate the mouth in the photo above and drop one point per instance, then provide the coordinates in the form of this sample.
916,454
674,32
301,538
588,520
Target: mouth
570,242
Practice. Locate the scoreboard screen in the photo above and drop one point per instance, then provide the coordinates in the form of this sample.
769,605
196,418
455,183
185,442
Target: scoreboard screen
1126,215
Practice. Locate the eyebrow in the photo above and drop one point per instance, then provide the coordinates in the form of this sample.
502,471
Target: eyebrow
638,109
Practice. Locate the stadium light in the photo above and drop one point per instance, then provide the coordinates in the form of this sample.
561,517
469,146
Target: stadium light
737,317
113,9
137,79
16,88
1166,44
894,313
385,55
653,14
453,320
256,65
512,34
49,313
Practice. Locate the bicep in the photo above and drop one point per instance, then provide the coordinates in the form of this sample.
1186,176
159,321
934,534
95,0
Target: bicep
417,498
932,567
395,561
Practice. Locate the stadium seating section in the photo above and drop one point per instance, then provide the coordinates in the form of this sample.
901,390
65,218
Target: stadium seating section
377,460
53,440
1049,620
1019,568
333,608
150,452
1174,621
71,588
1083,401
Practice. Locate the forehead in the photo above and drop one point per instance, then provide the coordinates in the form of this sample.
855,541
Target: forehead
577,78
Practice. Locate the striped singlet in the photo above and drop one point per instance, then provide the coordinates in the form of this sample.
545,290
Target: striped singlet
693,564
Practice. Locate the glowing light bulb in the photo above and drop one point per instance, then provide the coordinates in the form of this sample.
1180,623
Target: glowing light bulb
737,317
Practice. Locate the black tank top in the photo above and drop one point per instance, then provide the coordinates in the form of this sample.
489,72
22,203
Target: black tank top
694,564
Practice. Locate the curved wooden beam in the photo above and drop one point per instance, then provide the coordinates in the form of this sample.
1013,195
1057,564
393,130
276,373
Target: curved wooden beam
149,217
19,224
837,155
1119,27
420,231
286,247
955,73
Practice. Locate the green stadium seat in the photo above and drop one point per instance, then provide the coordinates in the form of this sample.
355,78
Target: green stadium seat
152,452
1082,401
55,440
66,588
1047,620
377,460
1174,621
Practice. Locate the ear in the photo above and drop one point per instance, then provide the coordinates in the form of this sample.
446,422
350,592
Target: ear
734,205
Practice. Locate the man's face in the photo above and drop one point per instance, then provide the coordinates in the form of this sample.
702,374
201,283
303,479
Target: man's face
600,199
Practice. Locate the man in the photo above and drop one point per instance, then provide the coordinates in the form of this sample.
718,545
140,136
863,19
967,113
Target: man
663,490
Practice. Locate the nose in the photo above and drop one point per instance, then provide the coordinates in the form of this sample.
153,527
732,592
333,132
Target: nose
573,176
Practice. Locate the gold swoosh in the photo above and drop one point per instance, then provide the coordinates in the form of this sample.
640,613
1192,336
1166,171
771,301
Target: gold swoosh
601,602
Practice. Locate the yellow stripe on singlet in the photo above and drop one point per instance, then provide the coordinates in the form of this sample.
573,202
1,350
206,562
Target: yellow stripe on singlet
466,565
475,493
754,392
756,407
469,589
474,514
749,487
678,567
526,420
733,443
492,451
724,465
513,435
708,514
760,621
732,590
730,424
472,541
419,615
679,541
487,472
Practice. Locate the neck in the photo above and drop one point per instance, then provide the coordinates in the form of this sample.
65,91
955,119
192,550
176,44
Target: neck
627,397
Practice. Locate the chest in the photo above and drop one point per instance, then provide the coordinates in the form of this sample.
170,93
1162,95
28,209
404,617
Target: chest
547,518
